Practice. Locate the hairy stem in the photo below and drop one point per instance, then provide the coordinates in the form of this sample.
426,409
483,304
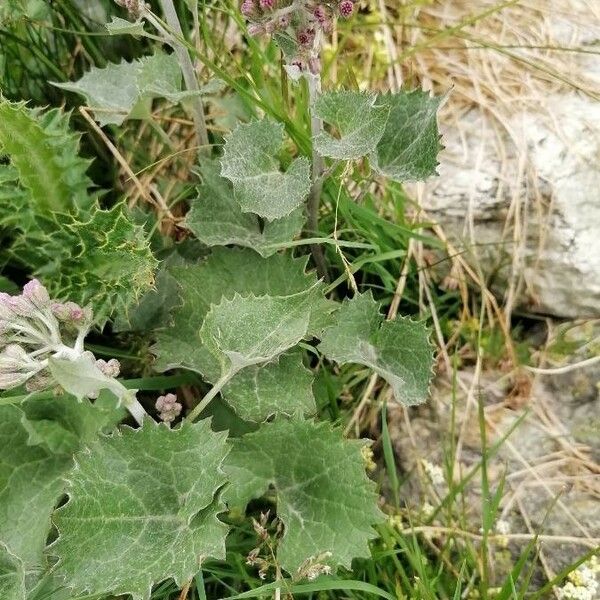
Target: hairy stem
189,75
195,413
318,166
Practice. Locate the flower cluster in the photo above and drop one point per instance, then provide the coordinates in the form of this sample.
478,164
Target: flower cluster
168,408
302,21
583,582
33,328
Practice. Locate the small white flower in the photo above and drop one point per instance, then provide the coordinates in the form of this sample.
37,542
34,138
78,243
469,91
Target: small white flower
434,472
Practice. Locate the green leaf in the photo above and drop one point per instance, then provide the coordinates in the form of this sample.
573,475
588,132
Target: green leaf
142,508
224,273
12,576
82,378
251,330
250,162
44,154
105,260
410,144
359,118
64,424
123,90
216,218
119,26
285,387
324,498
398,350
30,485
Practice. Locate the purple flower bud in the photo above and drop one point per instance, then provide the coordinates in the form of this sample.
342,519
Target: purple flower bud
168,407
320,13
255,29
248,8
266,4
305,36
112,368
346,8
35,292
284,21
68,312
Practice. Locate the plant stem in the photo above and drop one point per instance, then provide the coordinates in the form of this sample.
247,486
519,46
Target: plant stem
189,75
210,395
318,166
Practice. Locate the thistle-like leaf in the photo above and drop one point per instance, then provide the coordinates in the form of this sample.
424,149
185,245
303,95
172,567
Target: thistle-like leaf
324,498
216,218
119,26
105,260
410,144
250,162
398,350
360,119
142,508
44,155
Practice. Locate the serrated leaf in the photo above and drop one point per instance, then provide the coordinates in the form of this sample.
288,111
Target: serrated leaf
285,387
64,424
224,273
216,218
359,118
122,90
250,162
105,260
251,330
12,575
44,154
410,144
142,508
324,498
398,350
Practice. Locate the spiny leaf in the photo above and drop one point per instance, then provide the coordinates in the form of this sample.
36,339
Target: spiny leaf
410,144
216,218
398,350
250,162
282,387
105,260
141,509
251,330
324,498
44,154
12,576
359,118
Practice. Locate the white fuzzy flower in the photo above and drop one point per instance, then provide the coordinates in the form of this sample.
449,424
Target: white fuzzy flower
434,472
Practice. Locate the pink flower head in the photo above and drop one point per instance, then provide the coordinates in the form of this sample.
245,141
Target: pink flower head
346,8
68,311
168,407
266,4
248,8
305,36
320,13
255,29
284,21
